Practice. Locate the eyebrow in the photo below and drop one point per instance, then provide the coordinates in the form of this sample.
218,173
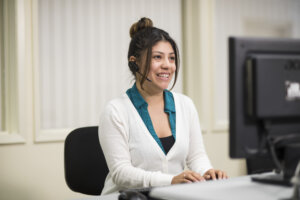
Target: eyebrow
161,52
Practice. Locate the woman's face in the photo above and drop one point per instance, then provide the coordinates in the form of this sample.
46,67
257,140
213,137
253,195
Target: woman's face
162,66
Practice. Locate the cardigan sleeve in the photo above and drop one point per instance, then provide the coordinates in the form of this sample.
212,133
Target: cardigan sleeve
197,159
113,136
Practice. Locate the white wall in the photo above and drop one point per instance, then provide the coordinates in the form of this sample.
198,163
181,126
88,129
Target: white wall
80,57
82,50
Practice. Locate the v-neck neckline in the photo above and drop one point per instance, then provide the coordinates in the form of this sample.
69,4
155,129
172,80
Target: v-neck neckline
146,130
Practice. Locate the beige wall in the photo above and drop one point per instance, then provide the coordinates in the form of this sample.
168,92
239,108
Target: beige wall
33,171
30,170
217,147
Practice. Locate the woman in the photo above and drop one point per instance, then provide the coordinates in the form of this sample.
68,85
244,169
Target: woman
150,134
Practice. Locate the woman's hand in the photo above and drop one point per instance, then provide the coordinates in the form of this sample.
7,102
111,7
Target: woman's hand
187,177
215,174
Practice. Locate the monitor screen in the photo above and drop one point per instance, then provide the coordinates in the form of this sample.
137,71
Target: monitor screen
264,95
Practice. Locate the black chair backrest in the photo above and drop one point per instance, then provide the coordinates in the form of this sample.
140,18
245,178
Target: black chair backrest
85,165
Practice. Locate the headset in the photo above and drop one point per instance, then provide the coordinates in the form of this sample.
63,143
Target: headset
135,68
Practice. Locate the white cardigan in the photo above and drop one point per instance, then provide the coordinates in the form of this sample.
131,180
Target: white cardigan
135,159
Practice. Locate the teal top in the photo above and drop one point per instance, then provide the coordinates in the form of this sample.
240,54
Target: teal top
142,107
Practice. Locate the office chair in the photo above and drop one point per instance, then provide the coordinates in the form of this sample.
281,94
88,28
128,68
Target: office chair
85,165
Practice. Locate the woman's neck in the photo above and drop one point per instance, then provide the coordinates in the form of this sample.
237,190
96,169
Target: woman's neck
151,96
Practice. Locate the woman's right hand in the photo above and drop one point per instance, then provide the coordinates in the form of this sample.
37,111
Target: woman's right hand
187,177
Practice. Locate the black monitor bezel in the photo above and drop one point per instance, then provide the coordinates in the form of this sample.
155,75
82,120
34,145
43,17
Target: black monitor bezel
243,131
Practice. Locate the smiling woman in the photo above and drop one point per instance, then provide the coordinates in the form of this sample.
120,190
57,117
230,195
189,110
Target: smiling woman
152,50
150,134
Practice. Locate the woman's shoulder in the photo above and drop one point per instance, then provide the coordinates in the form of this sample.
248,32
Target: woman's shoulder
118,103
184,103
118,100
182,98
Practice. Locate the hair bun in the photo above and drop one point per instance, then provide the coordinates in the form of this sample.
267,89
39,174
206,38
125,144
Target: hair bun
140,25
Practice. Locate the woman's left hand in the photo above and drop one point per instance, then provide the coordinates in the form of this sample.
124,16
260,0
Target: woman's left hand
215,174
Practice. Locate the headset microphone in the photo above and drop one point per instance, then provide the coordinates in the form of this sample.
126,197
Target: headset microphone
134,67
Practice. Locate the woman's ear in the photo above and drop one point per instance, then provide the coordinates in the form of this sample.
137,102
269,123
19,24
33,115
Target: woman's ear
132,59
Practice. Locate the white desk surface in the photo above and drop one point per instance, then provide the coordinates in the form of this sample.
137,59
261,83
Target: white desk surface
104,197
232,188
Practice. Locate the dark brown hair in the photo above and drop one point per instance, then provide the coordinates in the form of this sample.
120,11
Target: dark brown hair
143,37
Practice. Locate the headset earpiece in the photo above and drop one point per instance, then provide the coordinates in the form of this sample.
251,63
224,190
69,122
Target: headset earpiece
133,66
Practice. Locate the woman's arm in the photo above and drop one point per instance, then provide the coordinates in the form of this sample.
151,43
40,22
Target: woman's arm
197,159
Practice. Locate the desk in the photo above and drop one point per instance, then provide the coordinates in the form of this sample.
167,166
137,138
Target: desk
104,197
234,188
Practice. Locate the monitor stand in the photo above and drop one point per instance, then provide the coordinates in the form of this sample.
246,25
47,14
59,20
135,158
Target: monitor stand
291,158
272,178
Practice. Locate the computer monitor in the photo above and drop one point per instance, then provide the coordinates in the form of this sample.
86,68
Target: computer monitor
264,100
